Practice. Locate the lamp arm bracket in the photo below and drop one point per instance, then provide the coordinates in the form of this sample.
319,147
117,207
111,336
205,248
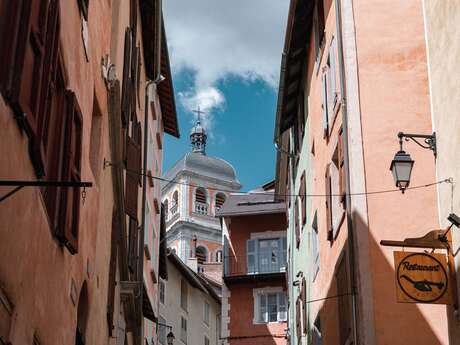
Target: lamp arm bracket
429,140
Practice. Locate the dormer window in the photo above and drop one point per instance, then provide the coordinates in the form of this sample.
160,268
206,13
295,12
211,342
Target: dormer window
220,199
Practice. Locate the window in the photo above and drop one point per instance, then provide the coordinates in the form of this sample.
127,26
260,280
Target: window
296,223
220,199
183,330
147,230
162,331
270,306
183,294
219,256
318,28
162,291
201,255
303,198
317,339
266,255
206,340
331,79
166,203
206,313
175,202
201,206
324,106
315,247
150,160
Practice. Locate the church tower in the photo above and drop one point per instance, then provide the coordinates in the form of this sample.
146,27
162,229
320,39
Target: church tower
199,186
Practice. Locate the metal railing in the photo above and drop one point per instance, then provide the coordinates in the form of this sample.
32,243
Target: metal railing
238,266
201,208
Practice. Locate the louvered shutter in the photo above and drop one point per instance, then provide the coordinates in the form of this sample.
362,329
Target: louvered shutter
132,245
125,93
70,197
112,273
325,108
296,223
133,152
303,198
328,199
298,319
344,308
341,162
251,252
304,305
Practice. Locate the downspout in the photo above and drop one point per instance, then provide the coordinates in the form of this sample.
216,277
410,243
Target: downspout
351,249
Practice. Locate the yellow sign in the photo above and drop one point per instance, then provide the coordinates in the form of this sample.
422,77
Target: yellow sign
421,278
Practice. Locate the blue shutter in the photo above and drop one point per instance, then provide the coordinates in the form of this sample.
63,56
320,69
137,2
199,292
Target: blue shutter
251,252
325,115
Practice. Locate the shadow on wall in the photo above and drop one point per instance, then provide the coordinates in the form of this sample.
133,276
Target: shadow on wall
395,323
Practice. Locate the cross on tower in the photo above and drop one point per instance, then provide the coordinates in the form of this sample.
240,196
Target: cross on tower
199,112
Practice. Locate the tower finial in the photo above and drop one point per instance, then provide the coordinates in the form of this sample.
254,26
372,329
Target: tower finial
198,134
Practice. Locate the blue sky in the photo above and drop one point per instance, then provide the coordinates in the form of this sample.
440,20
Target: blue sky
225,58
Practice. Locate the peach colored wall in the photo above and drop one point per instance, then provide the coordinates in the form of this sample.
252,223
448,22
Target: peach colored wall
35,271
391,93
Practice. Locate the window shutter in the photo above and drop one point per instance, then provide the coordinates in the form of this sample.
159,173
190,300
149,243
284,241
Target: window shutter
125,93
282,314
226,258
298,318
341,162
112,274
328,198
304,305
325,110
332,74
251,251
121,331
133,245
303,197
315,247
344,308
296,223
283,252
70,197
263,309
133,152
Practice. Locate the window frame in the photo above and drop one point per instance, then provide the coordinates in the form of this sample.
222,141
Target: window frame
183,331
258,318
206,313
282,252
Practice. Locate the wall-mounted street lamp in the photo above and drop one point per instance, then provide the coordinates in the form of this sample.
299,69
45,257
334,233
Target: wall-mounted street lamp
170,337
401,165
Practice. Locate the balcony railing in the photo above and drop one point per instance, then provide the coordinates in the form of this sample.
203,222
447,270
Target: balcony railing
237,266
201,208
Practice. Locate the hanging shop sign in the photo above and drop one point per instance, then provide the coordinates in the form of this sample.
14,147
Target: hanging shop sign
422,278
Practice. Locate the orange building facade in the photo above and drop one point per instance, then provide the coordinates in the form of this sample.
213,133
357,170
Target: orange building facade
254,299
75,93
354,74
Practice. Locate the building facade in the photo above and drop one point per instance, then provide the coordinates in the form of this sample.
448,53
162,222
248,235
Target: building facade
443,50
189,304
75,94
353,75
254,299
193,190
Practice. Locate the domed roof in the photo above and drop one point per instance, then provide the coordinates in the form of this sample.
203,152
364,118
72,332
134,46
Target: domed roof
207,166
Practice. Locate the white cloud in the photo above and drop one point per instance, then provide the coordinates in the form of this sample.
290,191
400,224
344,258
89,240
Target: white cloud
216,39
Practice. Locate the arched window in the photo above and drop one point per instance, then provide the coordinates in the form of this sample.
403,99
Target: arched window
220,199
174,202
201,205
201,254
219,256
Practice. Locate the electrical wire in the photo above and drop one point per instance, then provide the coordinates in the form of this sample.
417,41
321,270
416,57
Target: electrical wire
448,180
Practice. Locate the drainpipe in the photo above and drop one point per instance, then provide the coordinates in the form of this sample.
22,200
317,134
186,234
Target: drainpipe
351,249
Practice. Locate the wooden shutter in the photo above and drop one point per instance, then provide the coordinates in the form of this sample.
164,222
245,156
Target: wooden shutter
341,161
325,109
125,89
303,295
134,80
112,273
133,152
6,313
296,223
328,198
133,245
298,318
344,307
70,197
251,255
303,198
